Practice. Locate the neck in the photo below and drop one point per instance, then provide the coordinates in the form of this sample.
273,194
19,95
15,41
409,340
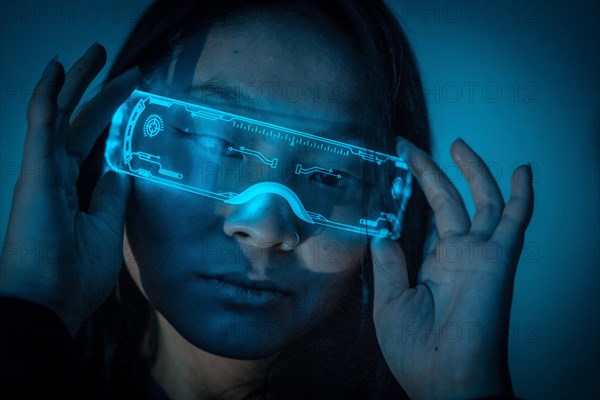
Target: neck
185,371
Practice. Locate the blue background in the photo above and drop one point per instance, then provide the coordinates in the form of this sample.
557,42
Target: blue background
518,80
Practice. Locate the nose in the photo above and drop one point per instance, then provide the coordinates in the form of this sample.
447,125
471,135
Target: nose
265,220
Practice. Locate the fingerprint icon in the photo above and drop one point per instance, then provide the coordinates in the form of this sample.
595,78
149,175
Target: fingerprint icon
153,125
397,188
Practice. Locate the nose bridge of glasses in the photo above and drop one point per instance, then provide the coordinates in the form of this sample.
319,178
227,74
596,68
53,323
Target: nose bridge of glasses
273,188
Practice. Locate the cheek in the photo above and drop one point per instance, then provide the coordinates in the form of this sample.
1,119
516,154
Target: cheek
166,230
160,221
333,265
332,252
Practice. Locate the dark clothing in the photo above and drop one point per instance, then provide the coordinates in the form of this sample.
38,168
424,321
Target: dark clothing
40,360
36,351
38,357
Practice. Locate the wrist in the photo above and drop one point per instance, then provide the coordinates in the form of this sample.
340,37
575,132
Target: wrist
28,292
483,383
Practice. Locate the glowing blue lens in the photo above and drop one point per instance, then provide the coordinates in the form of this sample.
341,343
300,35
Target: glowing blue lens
231,158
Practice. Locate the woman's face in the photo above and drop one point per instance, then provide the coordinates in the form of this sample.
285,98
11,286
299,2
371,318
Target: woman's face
197,256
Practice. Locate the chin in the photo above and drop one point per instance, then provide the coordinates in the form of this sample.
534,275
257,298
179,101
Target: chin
236,342
232,335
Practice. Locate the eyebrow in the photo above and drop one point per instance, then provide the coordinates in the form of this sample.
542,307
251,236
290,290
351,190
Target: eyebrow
232,97
226,92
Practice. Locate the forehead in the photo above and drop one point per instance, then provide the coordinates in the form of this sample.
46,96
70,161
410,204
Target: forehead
281,68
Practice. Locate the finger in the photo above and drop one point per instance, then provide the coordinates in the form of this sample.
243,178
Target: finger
389,272
42,112
109,200
449,209
518,211
486,193
96,114
79,77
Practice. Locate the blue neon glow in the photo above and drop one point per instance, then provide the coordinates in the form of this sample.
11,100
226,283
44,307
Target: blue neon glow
146,142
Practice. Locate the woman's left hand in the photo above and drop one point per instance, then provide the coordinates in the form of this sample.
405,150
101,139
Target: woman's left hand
447,337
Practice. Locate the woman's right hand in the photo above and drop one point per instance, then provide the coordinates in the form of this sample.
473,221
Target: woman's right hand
54,254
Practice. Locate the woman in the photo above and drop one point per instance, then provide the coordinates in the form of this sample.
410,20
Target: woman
363,326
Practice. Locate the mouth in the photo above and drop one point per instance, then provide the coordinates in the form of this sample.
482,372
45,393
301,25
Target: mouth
240,287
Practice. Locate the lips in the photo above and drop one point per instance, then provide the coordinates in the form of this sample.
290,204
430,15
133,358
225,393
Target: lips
252,285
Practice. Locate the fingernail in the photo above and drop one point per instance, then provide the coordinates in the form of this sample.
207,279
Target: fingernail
93,45
401,141
528,173
50,67
133,74
137,73
400,146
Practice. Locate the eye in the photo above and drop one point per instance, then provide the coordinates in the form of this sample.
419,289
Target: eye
336,179
214,145
327,179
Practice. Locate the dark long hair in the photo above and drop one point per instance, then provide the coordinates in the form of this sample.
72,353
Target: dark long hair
340,359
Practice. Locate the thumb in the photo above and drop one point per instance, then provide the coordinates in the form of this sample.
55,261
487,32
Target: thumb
389,271
109,200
